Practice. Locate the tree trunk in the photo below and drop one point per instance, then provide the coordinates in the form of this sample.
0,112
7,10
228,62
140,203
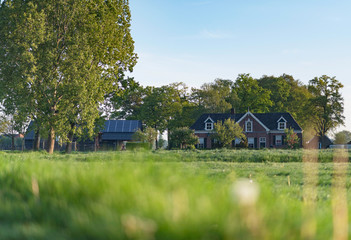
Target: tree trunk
168,137
12,142
96,143
69,143
36,144
70,139
51,141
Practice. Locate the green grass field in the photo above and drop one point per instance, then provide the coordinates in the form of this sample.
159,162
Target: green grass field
168,195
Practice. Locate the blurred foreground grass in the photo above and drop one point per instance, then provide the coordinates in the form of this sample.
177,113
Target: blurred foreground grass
162,195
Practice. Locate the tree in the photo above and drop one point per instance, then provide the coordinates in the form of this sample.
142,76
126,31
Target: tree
327,103
216,97
63,57
159,107
148,135
183,137
252,96
227,132
342,137
280,91
286,94
127,104
292,140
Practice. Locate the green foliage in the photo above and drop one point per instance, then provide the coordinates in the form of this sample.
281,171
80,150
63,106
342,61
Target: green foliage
286,94
183,137
292,140
327,103
216,97
148,135
342,137
60,59
251,95
138,146
227,132
4,124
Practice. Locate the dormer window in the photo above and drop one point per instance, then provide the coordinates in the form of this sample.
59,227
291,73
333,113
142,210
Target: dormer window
281,123
248,126
208,126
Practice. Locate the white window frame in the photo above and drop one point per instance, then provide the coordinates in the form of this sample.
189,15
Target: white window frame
251,125
279,126
201,143
250,141
278,142
208,124
263,140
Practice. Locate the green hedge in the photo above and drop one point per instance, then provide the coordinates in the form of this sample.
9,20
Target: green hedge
138,146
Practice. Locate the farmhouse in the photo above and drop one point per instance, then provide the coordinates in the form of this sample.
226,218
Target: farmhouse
263,130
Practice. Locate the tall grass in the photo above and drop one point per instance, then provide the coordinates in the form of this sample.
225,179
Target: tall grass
160,195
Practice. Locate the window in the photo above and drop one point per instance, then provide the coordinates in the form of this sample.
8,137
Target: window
251,142
281,125
248,126
262,142
201,143
208,126
278,140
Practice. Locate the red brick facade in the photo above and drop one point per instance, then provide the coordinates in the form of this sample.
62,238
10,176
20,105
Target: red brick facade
259,136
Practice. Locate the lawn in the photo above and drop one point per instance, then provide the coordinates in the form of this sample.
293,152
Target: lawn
171,195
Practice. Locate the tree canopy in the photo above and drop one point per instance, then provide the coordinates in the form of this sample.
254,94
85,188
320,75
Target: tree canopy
60,58
327,103
226,132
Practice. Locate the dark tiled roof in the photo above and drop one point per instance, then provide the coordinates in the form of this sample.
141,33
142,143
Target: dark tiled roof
270,120
119,128
199,124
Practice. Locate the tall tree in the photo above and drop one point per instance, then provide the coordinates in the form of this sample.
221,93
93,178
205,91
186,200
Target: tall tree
327,103
160,107
216,97
286,94
342,137
251,95
63,57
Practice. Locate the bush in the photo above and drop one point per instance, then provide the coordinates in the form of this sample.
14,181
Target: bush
138,146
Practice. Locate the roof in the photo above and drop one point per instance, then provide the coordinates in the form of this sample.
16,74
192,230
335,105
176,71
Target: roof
270,120
121,126
121,129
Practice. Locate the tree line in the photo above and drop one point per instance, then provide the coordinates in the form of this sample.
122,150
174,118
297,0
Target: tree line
317,105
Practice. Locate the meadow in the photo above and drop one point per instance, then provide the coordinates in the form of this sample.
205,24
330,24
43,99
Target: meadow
219,194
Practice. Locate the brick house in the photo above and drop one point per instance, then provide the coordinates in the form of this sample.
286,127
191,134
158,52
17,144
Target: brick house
262,130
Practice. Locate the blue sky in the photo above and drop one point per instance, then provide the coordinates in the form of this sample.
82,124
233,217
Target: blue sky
196,41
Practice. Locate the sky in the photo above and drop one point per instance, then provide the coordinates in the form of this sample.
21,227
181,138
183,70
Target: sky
197,41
